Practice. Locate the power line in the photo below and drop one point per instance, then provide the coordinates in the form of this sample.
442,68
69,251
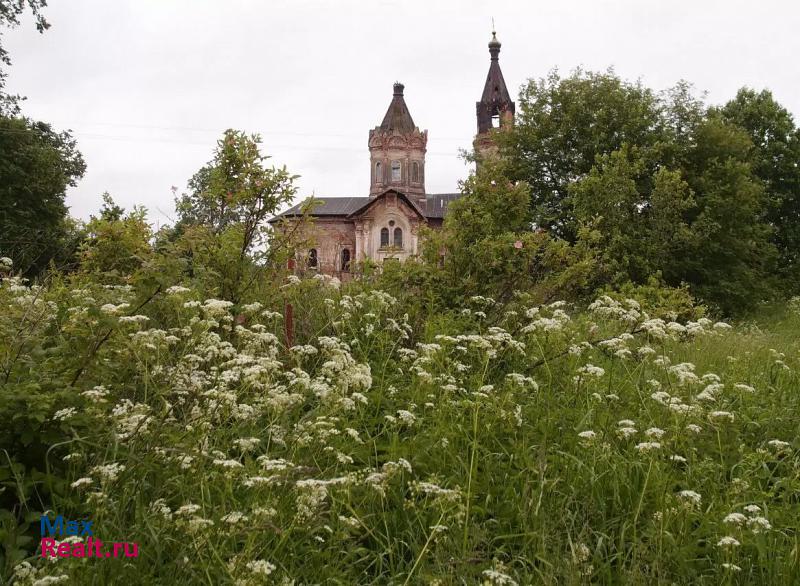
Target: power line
143,139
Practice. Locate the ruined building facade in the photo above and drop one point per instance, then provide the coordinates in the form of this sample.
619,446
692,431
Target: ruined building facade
385,224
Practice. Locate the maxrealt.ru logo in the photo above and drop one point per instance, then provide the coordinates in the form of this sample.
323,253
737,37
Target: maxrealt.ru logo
73,532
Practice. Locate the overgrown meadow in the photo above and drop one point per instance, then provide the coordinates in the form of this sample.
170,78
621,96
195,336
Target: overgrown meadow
509,444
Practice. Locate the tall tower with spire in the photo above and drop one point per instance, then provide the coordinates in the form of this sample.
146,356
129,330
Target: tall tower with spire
495,110
397,151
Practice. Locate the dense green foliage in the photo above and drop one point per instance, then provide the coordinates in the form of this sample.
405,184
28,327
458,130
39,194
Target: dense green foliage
37,165
706,197
487,247
221,225
776,162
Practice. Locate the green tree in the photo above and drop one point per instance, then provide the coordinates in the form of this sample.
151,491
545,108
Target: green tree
673,189
222,220
639,213
732,262
776,139
117,244
562,124
37,165
10,13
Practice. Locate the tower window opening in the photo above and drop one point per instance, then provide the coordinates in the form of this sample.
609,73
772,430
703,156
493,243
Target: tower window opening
415,172
384,237
378,177
396,171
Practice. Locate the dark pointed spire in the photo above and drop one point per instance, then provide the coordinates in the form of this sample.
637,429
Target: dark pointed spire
495,100
397,116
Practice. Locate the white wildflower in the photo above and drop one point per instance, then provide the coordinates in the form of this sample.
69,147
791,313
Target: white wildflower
261,567
64,414
737,519
648,446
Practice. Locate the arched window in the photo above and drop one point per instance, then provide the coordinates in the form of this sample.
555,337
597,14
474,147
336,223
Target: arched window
346,259
396,172
384,237
415,172
312,258
398,238
378,176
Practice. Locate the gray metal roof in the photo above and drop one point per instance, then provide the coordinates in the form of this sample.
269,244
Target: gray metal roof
435,206
327,206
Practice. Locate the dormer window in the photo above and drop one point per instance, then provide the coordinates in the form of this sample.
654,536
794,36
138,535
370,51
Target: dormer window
396,172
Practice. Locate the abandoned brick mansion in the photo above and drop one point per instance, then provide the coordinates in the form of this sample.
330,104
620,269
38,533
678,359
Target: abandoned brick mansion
385,224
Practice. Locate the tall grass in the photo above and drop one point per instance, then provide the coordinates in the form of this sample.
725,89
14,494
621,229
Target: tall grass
498,445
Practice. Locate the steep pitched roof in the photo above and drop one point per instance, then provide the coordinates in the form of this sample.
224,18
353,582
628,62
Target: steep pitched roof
495,90
373,200
397,116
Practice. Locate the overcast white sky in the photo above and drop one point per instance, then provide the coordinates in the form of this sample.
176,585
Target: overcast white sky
148,86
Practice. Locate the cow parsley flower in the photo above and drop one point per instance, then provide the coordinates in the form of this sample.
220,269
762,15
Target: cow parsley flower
728,541
778,444
737,519
234,517
497,578
406,417
64,414
721,416
648,446
731,567
690,496
247,444
261,567
177,290
109,472
758,524
85,481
